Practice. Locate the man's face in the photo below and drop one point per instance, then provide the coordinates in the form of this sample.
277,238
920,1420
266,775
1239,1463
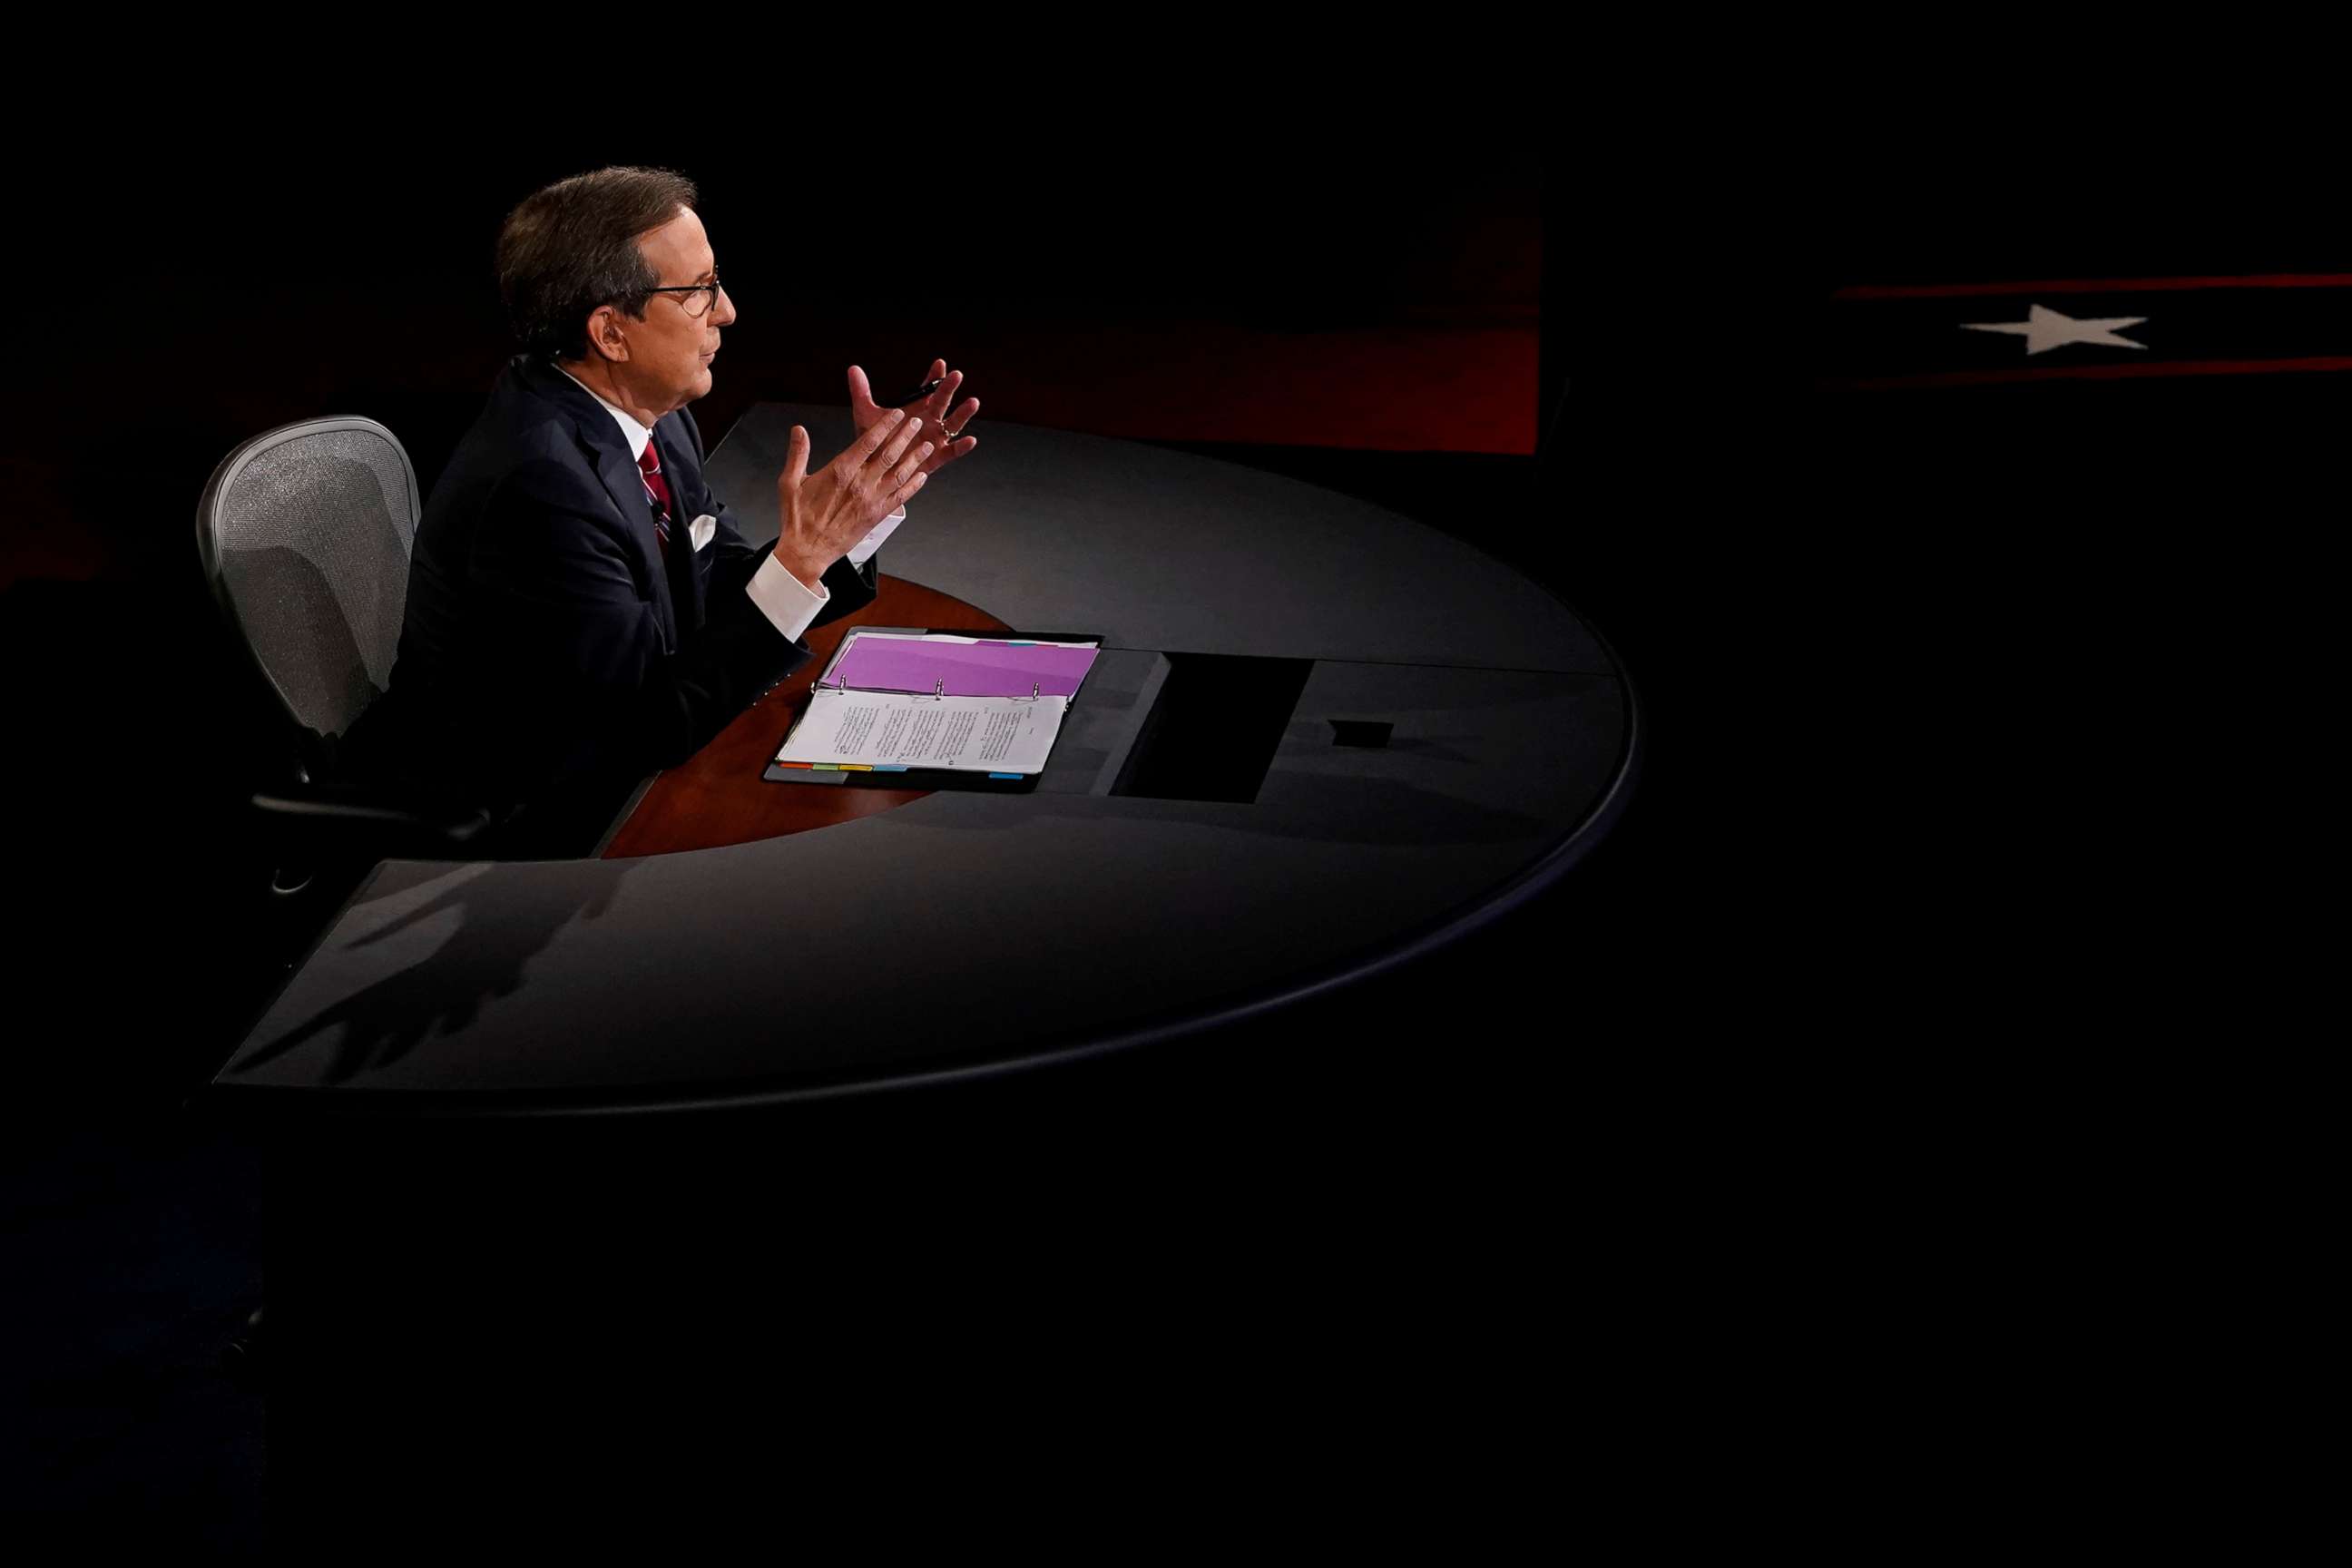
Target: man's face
670,351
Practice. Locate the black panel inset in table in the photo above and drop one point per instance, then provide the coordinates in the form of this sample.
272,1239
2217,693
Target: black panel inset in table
1213,732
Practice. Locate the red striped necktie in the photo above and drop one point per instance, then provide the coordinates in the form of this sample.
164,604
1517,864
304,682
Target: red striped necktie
657,490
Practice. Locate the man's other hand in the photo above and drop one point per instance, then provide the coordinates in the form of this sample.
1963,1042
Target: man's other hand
825,513
932,411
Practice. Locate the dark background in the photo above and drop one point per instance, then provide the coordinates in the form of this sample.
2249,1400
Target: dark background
1810,1098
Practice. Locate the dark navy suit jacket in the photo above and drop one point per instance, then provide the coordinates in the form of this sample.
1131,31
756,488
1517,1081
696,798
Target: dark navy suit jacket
548,655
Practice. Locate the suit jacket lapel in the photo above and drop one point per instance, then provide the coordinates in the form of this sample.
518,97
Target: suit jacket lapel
627,485
616,468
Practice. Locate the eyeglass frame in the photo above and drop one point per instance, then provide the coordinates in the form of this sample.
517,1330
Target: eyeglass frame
711,289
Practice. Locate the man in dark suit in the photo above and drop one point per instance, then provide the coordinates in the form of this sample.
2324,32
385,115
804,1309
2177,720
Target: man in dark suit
580,608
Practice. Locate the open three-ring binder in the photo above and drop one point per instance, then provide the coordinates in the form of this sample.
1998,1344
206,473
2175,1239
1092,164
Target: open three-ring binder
900,707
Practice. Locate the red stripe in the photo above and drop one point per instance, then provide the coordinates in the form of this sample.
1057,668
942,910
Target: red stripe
2094,286
2100,372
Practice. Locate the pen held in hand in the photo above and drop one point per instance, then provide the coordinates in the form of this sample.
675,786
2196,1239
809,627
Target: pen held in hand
915,396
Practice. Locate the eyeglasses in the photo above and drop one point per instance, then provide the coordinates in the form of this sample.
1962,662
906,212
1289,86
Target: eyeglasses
696,307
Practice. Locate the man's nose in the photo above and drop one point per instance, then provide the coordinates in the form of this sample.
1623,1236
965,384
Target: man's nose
724,312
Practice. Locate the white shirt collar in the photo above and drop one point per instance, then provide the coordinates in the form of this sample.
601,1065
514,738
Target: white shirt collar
635,434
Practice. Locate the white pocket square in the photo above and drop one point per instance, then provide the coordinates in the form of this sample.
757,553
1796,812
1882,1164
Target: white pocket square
702,529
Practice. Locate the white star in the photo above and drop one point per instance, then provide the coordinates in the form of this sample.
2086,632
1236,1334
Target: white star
2044,330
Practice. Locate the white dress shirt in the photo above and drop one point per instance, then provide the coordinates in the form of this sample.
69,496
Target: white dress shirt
789,604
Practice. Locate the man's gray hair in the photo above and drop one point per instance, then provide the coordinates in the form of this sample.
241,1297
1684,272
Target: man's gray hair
572,247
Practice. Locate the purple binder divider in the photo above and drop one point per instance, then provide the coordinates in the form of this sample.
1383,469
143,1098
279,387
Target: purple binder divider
969,670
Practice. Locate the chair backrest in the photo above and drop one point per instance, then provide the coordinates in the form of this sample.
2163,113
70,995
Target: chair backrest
305,532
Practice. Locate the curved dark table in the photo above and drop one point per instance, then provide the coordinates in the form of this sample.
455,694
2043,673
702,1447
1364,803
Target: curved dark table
965,931
1003,1279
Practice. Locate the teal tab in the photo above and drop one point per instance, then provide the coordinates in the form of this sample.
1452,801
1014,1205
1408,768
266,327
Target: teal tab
1008,776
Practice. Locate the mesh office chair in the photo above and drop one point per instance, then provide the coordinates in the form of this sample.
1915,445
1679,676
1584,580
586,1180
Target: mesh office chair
305,533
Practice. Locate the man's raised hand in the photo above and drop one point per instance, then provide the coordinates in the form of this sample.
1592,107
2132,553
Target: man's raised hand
825,514
932,411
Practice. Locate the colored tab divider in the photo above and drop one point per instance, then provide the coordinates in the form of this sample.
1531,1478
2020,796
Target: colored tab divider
853,767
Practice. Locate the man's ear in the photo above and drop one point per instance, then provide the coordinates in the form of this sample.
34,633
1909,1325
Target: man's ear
604,334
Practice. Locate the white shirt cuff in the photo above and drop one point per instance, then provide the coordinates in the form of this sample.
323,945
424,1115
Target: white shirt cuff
872,541
789,604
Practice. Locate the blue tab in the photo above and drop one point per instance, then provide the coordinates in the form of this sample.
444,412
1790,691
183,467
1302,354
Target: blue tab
1008,776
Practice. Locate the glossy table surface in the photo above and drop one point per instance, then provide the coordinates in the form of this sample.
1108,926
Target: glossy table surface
738,944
